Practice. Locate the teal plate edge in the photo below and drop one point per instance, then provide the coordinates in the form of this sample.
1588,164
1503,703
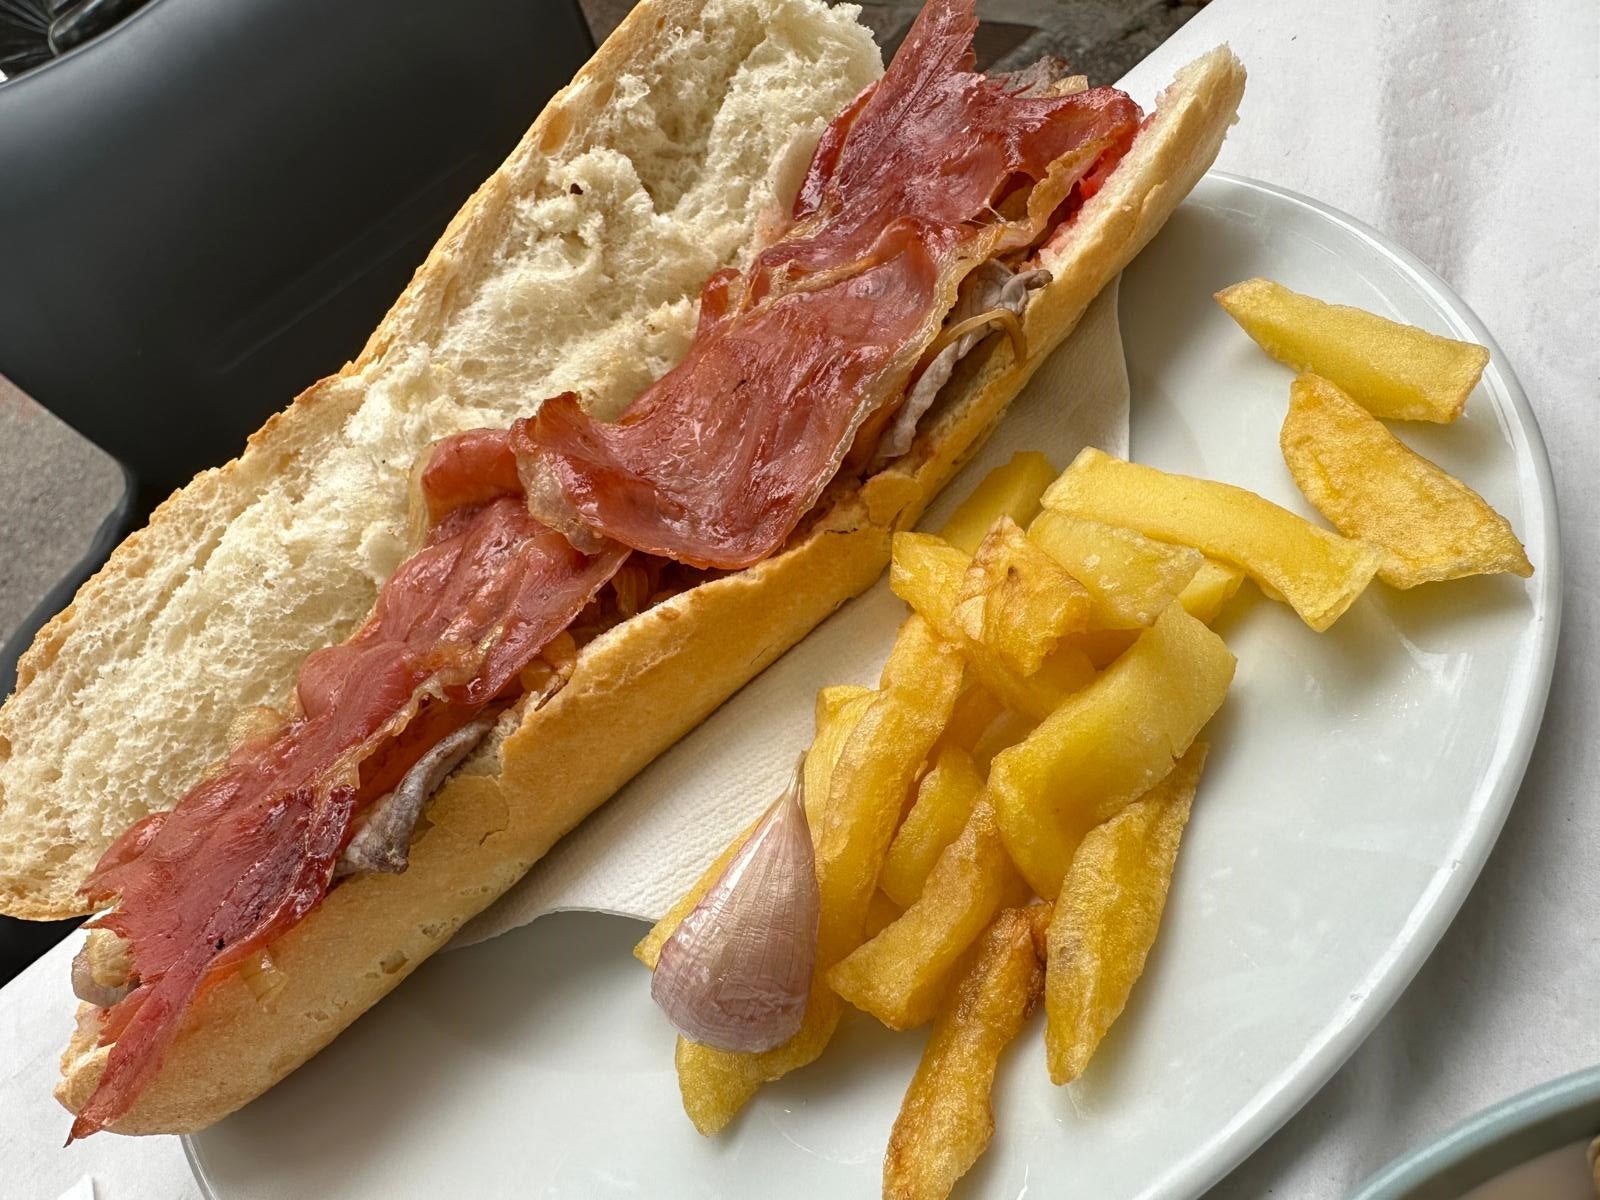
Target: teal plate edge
1532,1123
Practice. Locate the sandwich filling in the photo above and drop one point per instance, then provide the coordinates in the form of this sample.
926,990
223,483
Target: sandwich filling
908,245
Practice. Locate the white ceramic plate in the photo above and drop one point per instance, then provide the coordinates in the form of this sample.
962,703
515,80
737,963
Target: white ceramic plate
1356,783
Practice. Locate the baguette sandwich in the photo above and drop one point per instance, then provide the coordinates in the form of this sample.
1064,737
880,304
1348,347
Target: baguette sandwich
735,309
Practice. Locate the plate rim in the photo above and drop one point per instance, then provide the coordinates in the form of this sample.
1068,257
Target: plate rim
1448,888
1425,925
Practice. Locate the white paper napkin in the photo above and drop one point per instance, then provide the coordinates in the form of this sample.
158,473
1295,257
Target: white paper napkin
641,850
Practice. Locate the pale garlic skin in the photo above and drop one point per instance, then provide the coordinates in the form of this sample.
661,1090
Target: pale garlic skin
736,973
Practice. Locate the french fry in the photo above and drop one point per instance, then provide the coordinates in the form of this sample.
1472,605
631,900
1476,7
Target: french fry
1203,598
876,769
839,711
1130,578
866,792
1017,600
947,1117
975,711
945,798
1213,585
900,975
881,913
1039,917
1009,491
1107,745
1318,573
1007,730
1107,916
927,573
1391,370
1429,525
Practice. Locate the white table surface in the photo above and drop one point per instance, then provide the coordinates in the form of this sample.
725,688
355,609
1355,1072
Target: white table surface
1431,120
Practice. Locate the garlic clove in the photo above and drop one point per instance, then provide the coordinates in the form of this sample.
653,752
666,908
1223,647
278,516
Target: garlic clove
737,972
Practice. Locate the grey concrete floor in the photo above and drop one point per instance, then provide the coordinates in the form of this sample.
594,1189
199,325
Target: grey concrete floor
1099,38
58,489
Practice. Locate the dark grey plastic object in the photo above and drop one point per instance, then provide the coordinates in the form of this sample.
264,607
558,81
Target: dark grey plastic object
211,205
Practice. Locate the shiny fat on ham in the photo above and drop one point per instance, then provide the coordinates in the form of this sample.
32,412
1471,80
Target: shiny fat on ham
926,175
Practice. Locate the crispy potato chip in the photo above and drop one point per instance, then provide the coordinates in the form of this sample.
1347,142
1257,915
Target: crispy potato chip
1213,585
900,975
1429,525
945,798
1017,600
947,1117
1108,745
1107,916
1009,491
1129,577
1391,370
867,788
1317,572
927,573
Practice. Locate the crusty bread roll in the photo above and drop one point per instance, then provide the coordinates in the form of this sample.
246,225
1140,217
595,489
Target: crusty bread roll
576,266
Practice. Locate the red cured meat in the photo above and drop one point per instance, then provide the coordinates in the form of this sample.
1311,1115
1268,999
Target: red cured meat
248,851
716,463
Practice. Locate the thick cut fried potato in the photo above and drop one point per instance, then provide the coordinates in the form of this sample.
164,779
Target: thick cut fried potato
1317,572
1008,729
839,710
866,793
881,913
1102,647
944,802
1392,370
1107,745
1429,524
900,975
927,573
1017,600
875,771
1039,917
1213,585
947,1117
1009,491
1129,577
975,711
1107,916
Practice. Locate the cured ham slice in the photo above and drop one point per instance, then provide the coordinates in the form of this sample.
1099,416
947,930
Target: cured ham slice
248,851
929,173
